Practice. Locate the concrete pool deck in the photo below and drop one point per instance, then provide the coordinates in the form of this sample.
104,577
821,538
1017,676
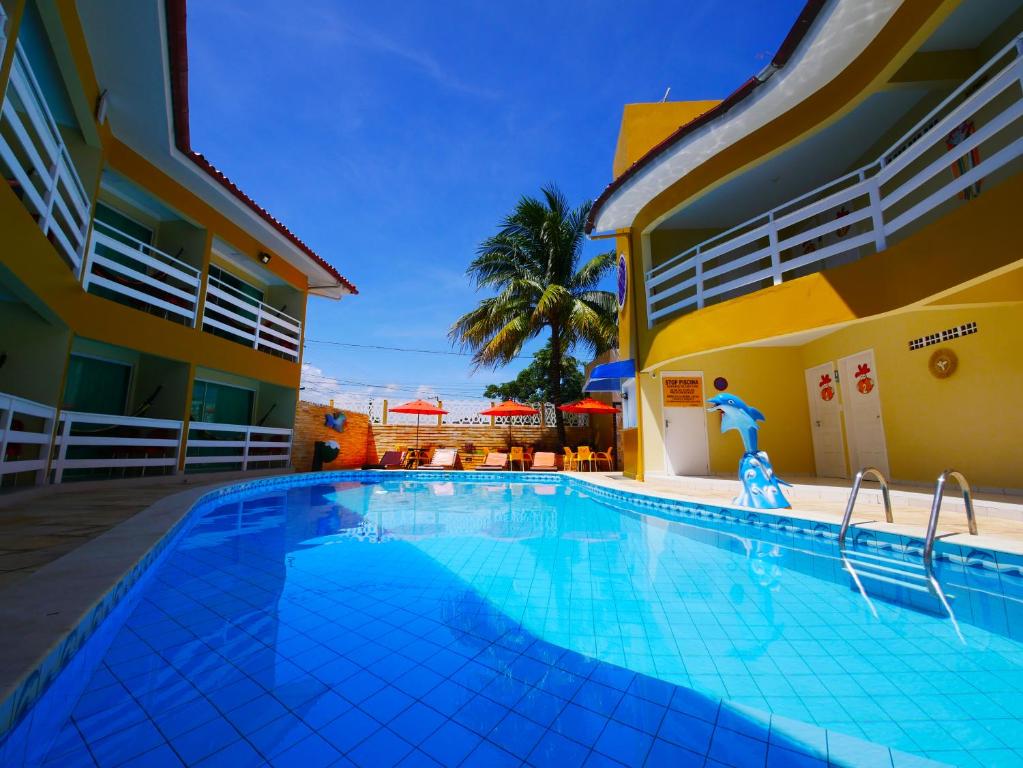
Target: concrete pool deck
999,516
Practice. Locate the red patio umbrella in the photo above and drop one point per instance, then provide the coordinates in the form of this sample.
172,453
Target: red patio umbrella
590,406
508,409
419,408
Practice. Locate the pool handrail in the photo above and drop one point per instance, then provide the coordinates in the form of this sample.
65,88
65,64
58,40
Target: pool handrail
932,523
885,496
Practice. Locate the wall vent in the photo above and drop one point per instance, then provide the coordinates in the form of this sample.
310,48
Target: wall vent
946,335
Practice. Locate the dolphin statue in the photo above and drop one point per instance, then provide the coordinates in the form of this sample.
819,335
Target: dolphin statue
761,488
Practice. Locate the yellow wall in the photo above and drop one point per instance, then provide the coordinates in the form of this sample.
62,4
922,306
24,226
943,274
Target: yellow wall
645,125
971,421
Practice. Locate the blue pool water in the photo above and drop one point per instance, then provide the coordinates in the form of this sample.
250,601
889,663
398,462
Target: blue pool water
509,621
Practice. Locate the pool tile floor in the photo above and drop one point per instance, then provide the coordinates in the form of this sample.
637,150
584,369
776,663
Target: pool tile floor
245,650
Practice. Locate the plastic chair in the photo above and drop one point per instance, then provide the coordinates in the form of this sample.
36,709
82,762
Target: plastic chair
583,454
608,456
570,459
515,454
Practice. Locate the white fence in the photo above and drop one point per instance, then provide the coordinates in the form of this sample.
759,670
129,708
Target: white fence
466,412
26,432
975,129
115,443
36,160
250,321
210,444
142,274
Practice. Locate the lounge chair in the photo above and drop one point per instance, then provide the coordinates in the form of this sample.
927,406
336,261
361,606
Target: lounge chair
494,461
390,460
544,461
443,458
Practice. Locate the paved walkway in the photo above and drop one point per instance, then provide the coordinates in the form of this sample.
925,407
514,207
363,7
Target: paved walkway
999,517
39,525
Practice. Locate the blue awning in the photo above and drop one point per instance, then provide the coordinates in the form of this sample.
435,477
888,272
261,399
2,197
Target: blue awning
608,377
603,385
621,369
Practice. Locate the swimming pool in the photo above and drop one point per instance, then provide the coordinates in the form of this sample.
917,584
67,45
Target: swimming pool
375,619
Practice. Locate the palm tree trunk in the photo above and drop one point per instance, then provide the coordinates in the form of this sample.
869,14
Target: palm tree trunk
555,374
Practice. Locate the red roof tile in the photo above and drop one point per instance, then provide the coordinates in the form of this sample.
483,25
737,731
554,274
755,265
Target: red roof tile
177,42
785,51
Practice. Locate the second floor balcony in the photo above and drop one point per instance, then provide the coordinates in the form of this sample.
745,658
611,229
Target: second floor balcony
968,142
38,166
236,314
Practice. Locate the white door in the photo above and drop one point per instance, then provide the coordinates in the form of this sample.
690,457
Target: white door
686,451
861,399
825,421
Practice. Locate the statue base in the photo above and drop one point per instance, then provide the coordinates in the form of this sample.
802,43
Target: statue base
761,489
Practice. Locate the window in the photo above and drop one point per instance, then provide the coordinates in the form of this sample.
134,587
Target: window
123,223
96,386
236,282
221,404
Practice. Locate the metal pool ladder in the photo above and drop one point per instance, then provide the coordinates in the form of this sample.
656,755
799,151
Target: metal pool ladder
885,496
932,523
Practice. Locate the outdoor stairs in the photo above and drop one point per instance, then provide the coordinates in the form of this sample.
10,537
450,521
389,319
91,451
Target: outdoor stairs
895,581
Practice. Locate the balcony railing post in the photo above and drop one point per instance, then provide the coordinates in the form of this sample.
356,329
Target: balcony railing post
876,212
51,193
698,277
772,241
259,323
245,450
65,437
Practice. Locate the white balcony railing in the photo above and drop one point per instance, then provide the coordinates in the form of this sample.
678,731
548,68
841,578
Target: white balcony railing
250,321
36,163
968,137
26,432
142,275
210,443
100,441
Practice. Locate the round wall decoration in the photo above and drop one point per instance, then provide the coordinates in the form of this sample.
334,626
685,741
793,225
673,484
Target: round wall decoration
623,280
943,363
720,383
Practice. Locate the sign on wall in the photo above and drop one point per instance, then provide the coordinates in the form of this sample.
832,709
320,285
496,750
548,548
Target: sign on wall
623,280
682,391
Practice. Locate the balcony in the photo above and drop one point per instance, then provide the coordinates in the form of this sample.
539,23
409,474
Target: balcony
135,273
972,138
249,321
37,165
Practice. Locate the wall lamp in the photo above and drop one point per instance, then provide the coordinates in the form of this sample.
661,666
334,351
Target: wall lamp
265,257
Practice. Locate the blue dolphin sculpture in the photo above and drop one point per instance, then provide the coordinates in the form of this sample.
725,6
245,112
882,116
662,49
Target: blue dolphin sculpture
335,421
761,488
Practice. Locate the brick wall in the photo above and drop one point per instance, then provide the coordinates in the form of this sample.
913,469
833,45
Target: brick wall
362,443
356,441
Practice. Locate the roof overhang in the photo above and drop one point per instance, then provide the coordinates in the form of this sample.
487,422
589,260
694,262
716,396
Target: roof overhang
139,52
827,37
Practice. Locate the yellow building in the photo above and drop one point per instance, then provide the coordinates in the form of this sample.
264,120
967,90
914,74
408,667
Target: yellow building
151,314
839,243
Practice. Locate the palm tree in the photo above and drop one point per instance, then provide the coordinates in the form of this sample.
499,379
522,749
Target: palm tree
533,266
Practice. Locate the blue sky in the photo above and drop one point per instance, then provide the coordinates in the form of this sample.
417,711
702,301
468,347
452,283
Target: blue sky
394,136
